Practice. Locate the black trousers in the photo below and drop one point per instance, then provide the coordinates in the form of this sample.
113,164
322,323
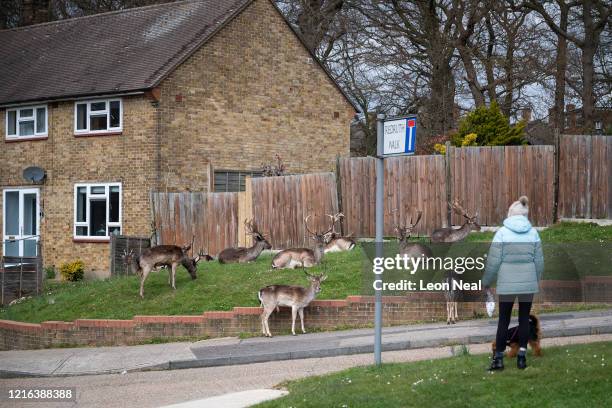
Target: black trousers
505,313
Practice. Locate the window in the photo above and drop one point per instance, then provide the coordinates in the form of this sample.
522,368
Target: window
97,210
26,122
232,180
100,116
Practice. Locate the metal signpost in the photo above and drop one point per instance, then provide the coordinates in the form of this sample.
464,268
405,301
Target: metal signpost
394,137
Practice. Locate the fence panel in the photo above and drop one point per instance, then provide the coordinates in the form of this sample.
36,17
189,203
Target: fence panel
279,205
119,246
19,276
412,183
211,219
488,179
585,176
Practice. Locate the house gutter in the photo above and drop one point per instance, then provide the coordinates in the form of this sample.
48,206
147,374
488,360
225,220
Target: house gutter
73,98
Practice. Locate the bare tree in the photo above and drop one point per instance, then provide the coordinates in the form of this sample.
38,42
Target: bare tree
593,16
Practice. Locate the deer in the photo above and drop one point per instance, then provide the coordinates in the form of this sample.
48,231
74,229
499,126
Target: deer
450,234
242,254
411,249
302,257
168,255
336,242
295,297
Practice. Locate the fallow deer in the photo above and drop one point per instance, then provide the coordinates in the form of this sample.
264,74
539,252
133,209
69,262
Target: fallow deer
295,297
302,257
451,234
168,255
411,249
242,254
336,242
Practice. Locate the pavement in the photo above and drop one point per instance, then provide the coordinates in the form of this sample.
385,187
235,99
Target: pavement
233,351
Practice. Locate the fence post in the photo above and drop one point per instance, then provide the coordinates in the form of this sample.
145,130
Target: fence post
3,273
556,177
339,194
449,180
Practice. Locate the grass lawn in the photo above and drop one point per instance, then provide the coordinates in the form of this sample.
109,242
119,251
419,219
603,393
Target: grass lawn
218,287
569,376
221,287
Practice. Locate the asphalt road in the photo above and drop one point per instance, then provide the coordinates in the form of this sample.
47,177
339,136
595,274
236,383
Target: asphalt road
159,388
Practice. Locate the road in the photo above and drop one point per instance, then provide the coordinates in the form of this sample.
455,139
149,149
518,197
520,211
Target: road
159,388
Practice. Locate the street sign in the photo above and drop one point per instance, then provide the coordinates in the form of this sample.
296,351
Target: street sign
399,136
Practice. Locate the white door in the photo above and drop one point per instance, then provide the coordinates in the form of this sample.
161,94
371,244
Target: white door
21,222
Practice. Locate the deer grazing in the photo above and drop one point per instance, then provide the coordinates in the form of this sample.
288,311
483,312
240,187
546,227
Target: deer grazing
242,254
302,257
411,249
168,255
336,242
295,297
451,234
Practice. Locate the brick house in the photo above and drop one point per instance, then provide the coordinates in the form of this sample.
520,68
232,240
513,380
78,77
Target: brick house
165,97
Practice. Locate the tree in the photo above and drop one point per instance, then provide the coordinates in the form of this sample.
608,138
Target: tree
318,23
487,126
593,17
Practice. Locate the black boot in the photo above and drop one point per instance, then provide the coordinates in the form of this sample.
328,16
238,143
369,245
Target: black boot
521,362
497,363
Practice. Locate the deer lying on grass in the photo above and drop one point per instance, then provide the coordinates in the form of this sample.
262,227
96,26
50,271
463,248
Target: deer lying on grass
302,257
168,255
336,242
295,297
451,234
411,249
242,254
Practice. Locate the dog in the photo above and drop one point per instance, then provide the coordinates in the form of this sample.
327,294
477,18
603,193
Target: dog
535,335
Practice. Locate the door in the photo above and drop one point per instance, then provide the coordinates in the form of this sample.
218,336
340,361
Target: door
21,222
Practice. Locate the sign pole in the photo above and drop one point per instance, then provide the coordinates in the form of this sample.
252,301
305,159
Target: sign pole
380,170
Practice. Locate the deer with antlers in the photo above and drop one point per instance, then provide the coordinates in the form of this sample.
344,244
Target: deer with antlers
450,234
336,242
295,297
411,249
242,254
162,255
303,257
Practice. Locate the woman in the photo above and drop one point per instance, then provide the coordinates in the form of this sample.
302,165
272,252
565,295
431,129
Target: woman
515,259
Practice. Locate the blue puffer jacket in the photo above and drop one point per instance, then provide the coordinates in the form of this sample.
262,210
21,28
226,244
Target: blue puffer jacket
515,258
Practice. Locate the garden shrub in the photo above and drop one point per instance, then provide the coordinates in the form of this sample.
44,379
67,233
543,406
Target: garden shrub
73,271
487,126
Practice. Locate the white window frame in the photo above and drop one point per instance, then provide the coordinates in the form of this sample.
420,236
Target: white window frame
19,119
106,111
106,196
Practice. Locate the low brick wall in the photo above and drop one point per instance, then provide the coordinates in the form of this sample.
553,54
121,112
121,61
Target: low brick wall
354,311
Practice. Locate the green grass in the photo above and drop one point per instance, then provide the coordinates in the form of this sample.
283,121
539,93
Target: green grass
218,287
221,287
569,376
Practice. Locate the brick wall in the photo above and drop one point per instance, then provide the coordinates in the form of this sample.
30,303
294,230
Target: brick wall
127,158
354,311
249,93
246,95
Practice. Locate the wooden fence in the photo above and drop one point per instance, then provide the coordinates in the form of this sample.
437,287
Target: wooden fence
20,276
488,179
281,203
122,244
211,219
411,183
585,177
